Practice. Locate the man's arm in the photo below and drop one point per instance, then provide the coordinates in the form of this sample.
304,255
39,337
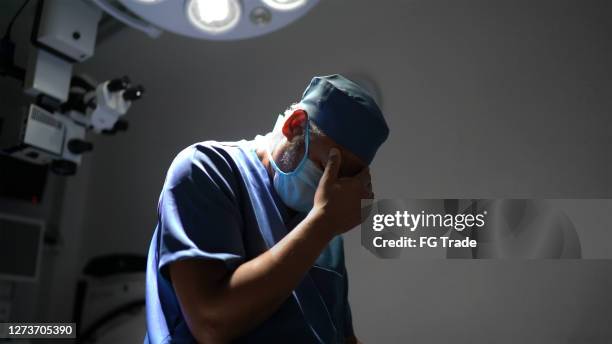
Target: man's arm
220,306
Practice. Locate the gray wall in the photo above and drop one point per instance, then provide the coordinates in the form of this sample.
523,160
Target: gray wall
504,99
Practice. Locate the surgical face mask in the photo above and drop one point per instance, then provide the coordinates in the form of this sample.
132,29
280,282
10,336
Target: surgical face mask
297,188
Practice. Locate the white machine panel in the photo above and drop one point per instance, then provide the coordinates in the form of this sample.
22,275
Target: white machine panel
69,27
48,74
44,131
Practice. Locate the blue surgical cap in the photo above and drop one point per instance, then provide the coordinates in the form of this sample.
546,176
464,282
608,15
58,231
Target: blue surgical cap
346,113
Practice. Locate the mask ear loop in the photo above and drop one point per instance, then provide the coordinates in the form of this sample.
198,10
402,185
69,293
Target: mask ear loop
302,162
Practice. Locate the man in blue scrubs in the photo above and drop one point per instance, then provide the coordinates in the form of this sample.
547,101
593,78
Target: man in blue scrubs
248,245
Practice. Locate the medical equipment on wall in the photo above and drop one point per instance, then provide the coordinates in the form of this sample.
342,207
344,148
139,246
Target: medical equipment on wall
21,242
110,305
50,128
21,250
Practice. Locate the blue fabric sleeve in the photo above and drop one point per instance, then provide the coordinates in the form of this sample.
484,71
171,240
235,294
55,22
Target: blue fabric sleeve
348,319
198,211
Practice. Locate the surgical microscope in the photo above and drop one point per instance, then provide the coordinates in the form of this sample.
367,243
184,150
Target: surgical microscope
51,126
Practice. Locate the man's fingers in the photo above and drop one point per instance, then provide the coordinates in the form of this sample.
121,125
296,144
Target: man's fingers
364,177
332,167
365,180
366,193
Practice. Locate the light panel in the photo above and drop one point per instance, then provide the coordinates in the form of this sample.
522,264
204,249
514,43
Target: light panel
214,16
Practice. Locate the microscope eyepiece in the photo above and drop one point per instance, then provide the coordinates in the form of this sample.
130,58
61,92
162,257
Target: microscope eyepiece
118,84
133,93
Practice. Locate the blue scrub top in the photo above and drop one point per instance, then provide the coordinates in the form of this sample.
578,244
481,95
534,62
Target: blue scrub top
217,203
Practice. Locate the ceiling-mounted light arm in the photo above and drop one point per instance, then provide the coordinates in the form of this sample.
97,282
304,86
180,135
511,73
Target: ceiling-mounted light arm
127,19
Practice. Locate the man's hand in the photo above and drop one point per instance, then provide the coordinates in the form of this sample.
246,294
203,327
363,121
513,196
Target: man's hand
338,199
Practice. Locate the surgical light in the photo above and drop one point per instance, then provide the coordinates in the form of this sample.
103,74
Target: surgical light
214,16
284,5
149,1
220,20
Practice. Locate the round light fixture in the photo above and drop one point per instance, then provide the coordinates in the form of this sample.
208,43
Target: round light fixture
219,20
214,16
284,5
148,1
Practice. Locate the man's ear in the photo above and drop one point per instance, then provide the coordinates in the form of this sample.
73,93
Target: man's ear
295,124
